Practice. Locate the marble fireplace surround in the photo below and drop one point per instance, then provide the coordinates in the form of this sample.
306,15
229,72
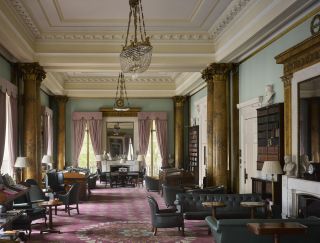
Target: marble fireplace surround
292,186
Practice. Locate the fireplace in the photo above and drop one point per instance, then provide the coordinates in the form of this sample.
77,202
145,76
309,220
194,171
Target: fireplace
308,205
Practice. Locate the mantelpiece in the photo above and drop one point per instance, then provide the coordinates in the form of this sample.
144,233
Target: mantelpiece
301,62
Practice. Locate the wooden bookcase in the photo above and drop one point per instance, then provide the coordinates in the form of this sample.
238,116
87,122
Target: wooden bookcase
193,165
270,134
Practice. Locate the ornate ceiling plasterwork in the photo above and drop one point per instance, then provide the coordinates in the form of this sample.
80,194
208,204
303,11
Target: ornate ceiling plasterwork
228,16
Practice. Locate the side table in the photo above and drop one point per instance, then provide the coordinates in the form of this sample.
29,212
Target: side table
213,205
253,206
49,205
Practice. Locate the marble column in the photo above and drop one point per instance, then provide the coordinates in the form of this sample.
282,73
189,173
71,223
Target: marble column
178,130
287,117
216,76
61,143
33,74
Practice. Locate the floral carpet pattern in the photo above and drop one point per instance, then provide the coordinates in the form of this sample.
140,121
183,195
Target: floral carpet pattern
117,215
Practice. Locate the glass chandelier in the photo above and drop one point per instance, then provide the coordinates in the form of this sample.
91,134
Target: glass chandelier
121,102
136,56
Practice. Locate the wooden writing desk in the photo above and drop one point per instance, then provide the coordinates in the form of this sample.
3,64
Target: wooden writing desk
73,177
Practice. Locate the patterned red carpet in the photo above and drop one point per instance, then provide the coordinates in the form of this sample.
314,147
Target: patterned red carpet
117,215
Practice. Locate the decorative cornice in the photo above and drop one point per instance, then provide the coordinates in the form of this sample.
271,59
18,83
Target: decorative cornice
300,56
228,16
115,79
27,20
117,37
215,69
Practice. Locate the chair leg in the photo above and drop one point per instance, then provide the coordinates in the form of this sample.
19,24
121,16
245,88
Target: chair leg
178,228
55,210
155,231
69,210
78,208
182,233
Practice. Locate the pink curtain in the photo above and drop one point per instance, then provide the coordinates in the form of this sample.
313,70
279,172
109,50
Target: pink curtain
78,136
144,135
13,130
2,124
162,137
95,130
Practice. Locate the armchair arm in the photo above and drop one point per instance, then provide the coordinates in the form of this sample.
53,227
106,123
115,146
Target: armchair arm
167,210
168,215
213,223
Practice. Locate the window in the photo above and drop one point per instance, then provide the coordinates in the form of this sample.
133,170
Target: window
7,167
87,157
153,157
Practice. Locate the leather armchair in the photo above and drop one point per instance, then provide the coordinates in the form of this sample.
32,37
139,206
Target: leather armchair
70,198
54,180
169,194
165,218
152,184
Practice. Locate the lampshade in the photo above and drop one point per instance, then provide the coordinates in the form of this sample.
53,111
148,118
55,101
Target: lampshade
140,158
122,161
271,168
21,162
99,157
46,159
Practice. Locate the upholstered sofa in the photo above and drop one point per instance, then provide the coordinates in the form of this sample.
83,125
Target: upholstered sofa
190,204
235,231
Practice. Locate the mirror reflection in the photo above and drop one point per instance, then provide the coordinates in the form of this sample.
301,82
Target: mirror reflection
120,140
309,124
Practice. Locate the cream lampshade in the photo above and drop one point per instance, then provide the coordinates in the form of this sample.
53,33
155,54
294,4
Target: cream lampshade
47,159
272,168
122,161
21,162
99,157
140,158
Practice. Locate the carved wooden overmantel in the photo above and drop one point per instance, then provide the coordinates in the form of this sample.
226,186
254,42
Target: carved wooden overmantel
296,58
109,112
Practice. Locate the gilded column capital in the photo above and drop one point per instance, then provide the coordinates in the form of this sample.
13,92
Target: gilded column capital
216,69
179,100
61,98
286,79
32,71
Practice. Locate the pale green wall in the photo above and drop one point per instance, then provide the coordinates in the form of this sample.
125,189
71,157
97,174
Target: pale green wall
5,69
194,98
261,69
77,104
44,99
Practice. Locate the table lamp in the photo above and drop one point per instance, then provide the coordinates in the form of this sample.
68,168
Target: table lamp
272,168
21,162
140,159
122,161
47,160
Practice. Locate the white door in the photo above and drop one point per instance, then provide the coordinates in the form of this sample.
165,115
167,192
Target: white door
248,144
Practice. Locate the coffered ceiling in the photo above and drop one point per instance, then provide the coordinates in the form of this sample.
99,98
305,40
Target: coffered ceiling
78,41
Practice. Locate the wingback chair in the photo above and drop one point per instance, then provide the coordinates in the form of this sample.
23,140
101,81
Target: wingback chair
169,194
164,218
152,184
70,198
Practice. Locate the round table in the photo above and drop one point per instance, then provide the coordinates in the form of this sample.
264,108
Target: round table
49,205
253,206
213,205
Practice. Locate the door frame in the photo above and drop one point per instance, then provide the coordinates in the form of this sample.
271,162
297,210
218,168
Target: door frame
247,109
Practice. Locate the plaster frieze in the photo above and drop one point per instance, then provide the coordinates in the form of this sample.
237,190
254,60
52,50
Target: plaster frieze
234,10
115,79
24,14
